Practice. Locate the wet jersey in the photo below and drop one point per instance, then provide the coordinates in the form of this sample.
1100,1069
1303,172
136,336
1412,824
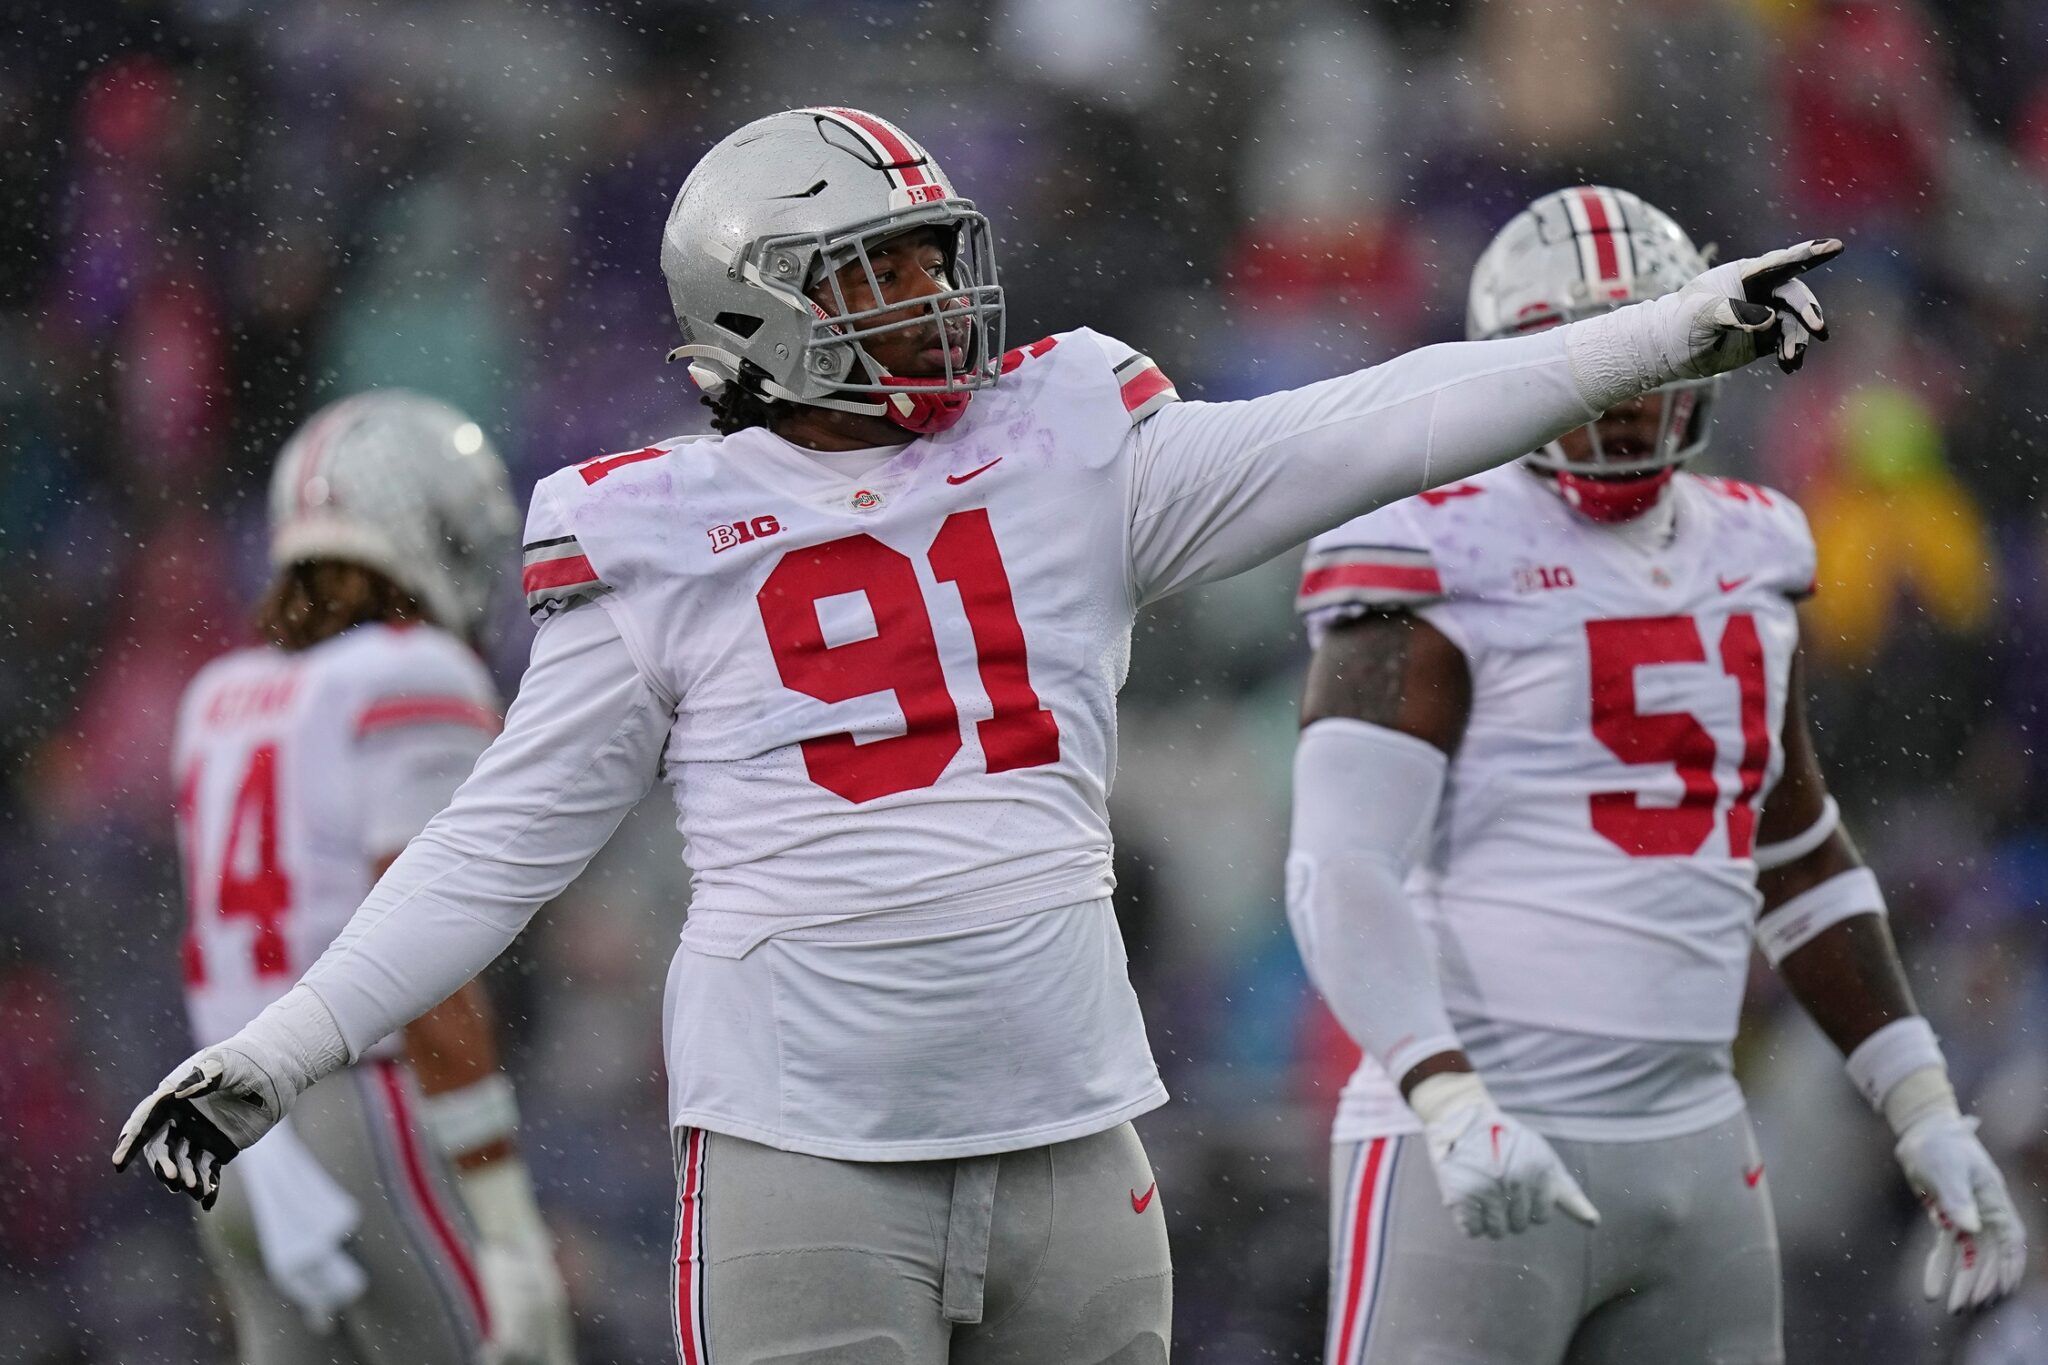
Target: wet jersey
893,689
1591,887
295,772
881,685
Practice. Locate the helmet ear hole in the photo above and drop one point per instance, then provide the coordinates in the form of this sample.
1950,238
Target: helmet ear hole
741,325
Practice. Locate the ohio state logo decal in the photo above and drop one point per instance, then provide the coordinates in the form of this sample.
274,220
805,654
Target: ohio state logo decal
866,500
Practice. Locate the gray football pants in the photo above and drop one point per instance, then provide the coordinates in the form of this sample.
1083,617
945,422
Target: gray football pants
424,1303
1683,1269
1050,1256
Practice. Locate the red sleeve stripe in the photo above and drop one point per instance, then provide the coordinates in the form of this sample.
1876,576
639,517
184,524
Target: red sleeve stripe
548,574
1145,390
1400,578
400,711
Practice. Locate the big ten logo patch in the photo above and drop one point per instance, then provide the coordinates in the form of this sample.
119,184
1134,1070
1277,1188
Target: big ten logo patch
740,532
1543,577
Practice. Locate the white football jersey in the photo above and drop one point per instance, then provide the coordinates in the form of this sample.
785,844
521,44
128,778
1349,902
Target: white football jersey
295,772
1591,887
894,689
881,685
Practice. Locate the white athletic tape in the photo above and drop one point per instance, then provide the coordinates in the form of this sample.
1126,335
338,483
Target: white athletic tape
474,1116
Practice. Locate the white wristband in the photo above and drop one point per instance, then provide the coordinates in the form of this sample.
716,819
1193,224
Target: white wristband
474,1116
1799,845
1890,1055
1791,926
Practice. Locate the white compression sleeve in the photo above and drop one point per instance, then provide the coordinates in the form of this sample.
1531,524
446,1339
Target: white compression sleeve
1365,802
581,745
1219,487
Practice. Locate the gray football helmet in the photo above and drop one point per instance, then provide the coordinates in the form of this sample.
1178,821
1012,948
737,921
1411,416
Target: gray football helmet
774,211
406,485
1581,251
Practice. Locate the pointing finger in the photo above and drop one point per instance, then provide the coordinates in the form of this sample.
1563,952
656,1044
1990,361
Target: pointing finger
1795,296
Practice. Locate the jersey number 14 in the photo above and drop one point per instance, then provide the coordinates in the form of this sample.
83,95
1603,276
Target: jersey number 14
252,883
902,657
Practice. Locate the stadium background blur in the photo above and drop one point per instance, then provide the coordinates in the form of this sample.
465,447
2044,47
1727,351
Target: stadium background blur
220,213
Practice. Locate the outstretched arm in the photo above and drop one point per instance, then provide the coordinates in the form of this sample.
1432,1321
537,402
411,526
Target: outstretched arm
1387,702
1219,487
1823,927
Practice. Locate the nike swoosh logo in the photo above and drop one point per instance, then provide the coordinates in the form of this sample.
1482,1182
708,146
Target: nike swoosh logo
1139,1202
963,478
1750,1178
1731,584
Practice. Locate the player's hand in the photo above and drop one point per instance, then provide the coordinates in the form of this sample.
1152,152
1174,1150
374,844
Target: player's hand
1756,306
530,1320
213,1104
1498,1176
1980,1247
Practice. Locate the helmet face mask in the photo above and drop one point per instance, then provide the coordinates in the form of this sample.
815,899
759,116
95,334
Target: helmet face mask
1683,419
755,244
836,347
1573,254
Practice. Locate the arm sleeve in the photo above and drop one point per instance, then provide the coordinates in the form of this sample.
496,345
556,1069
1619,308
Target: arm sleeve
1365,801
581,746
1219,487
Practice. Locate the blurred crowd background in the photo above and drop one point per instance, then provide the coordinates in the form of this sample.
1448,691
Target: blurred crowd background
216,214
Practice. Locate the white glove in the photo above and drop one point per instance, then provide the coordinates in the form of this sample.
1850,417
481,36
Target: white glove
1767,281
222,1098
530,1322
1980,1248
213,1104
1497,1175
1720,321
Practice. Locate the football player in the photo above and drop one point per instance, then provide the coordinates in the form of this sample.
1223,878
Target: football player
1555,759
303,766
871,633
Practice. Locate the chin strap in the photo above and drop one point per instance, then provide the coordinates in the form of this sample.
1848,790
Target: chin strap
1613,499
924,407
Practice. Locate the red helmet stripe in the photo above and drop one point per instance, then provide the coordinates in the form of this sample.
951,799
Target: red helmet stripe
900,156
1601,228
318,437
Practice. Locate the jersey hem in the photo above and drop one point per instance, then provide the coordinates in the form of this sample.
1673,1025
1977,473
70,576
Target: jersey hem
1591,1128
986,1144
